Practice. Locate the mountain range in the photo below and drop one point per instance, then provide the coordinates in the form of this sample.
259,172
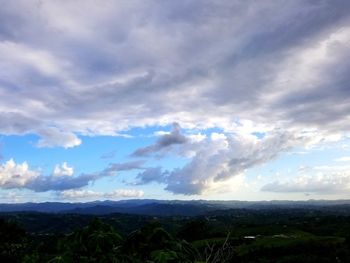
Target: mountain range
169,207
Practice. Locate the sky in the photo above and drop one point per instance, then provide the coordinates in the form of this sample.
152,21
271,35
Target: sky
218,100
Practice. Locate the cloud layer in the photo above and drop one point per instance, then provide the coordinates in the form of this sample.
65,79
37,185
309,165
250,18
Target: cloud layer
319,180
88,194
116,65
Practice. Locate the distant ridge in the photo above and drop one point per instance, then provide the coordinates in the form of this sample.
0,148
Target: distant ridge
166,207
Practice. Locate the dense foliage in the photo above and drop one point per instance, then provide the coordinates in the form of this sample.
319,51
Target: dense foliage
277,235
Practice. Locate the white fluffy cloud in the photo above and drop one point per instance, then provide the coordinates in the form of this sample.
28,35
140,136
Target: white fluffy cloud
14,175
63,170
219,158
225,156
51,137
20,176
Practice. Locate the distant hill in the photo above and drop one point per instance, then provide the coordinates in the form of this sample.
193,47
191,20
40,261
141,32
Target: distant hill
141,207
169,207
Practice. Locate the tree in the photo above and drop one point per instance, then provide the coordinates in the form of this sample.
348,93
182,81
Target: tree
13,242
98,242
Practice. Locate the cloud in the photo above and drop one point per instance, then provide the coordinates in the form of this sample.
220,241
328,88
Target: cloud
104,71
163,143
45,183
51,137
150,174
63,170
59,183
19,176
343,159
112,168
88,194
319,180
15,123
1,156
223,157
14,175
218,159
12,197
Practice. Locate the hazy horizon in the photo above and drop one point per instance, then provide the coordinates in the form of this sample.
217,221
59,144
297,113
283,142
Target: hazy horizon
181,200
213,100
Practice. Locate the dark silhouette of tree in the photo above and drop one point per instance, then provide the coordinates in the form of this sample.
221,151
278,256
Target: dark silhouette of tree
13,242
153,243
194,230
98,242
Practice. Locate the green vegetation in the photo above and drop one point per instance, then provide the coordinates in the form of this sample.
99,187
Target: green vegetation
274,235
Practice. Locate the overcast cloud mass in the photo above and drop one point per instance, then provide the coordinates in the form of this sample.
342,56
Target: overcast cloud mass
239,82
